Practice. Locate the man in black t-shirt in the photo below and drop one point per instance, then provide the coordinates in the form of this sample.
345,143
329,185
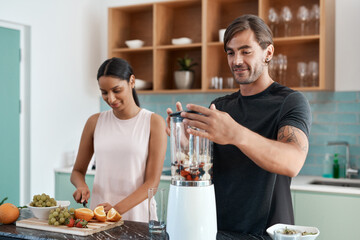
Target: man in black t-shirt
260,135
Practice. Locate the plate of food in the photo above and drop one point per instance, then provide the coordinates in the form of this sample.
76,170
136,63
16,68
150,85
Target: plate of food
307,233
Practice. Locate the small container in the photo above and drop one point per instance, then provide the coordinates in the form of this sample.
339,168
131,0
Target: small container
336,166
327,167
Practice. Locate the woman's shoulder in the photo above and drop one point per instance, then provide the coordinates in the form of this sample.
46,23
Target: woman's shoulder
92,121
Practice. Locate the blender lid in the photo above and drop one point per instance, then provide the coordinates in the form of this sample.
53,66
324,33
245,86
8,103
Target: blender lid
177,114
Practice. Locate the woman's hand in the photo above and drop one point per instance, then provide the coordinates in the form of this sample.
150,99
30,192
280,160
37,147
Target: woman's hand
107,206
81,194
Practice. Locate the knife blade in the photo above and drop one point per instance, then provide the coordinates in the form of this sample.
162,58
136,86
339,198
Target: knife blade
84,203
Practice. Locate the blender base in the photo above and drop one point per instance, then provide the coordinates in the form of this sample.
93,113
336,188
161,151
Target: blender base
191,213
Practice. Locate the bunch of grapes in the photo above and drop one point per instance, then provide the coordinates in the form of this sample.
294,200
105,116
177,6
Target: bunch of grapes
59,215
43,200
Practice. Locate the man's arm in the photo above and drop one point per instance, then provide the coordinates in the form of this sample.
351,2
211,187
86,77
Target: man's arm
284,156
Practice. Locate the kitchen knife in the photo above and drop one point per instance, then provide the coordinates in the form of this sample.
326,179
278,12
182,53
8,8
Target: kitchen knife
84,203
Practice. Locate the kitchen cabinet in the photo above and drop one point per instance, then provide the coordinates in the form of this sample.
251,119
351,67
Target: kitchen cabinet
64,189
336,215
158,23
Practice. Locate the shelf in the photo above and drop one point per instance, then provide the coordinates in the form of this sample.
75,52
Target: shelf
200,20
180,46
116,50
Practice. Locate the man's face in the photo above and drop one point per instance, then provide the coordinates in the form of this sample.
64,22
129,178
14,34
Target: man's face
246,58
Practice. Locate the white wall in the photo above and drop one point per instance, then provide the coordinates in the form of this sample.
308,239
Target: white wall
347,50
66,52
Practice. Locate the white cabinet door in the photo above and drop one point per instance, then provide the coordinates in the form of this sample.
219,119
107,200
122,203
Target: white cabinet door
337,216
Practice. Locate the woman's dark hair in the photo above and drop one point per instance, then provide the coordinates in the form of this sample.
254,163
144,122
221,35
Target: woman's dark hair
119,68
262,32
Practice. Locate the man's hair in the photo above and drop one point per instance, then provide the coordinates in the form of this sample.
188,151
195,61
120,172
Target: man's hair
262,32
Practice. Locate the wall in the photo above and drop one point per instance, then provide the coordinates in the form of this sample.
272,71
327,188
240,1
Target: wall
336,116
347,52
65,54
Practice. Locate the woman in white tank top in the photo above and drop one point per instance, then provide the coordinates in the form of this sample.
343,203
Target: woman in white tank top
129,144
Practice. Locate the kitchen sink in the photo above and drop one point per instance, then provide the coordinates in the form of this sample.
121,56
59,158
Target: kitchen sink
337,182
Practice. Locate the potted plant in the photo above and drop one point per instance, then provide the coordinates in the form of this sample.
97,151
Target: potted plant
184,77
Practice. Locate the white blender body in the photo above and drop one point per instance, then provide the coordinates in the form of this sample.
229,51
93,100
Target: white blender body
191,212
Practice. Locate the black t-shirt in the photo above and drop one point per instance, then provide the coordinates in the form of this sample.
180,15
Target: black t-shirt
248,198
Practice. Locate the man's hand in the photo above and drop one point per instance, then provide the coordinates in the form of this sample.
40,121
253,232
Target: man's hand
218,126
169,111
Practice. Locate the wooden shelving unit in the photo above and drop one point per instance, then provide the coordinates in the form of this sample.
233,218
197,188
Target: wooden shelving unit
157,23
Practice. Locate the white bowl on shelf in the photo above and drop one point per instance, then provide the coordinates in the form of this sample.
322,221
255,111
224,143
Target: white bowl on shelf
44,212
142,85
301,229
183,40
136,43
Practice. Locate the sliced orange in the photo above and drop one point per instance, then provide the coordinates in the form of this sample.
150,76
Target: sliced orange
113,215
84,213
99,213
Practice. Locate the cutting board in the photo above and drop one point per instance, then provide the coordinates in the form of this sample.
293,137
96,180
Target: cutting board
93,226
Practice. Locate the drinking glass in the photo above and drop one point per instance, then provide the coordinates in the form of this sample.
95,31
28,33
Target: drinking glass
285,62
286,17
157,198
313,72
301,67
273,18
303,17
315,18
230,82
272,67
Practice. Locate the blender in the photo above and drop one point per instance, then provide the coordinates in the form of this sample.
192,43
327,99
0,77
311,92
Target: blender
191,212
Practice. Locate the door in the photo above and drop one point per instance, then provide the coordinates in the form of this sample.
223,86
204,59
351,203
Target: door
10,115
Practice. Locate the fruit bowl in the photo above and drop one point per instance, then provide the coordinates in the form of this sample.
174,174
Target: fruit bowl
43,212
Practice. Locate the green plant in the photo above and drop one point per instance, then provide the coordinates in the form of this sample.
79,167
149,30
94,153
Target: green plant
186,63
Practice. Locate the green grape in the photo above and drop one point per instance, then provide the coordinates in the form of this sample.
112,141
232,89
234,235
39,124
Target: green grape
43,198
38,197
61,215
50,216
58,210
62,220
56,223
53,220
52,211
55,214
72,209
40,201
48,204
67,215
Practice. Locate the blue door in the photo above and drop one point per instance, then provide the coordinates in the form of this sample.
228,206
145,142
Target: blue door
10,115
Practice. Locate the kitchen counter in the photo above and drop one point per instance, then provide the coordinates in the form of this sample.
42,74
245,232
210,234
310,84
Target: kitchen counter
299,183
302,183
130,230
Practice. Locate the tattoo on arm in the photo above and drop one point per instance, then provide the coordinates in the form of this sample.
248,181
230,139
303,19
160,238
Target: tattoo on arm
292,134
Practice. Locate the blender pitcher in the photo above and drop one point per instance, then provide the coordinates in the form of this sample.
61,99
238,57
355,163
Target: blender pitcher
191,156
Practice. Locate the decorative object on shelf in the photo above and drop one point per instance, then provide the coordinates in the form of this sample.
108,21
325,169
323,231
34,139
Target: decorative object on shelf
313,72
179,41
142,85
217,82
221,34
302,72
136,43
184,77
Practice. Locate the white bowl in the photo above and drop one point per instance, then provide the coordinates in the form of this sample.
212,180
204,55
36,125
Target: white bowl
184,40
281,227
141,84
44,212
136,43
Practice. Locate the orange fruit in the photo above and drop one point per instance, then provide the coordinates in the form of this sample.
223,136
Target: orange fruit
9,213
84,213
113,215
99,213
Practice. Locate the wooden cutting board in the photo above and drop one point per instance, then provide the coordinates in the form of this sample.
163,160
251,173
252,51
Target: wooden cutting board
93,226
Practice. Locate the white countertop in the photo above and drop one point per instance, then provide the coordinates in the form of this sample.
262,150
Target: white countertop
299,183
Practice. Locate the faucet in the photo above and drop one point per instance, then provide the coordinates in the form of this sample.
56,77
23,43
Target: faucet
349,171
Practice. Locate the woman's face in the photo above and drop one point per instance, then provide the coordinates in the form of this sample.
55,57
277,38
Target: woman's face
117,92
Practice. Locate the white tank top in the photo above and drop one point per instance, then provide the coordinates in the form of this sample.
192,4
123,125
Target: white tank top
121,151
